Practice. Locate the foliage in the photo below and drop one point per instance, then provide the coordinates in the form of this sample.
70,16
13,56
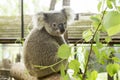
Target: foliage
64,51
93,75
74,65
111,22
87,35
112,68
106,21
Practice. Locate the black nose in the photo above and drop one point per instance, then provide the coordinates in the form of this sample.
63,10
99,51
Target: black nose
61,27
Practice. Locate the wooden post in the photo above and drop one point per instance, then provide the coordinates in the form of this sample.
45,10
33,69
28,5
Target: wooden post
22,20
66,2
52,5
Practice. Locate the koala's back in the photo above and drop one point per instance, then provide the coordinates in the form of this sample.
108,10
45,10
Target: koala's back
40,49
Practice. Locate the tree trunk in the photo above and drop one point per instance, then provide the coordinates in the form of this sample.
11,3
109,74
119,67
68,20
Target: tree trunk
66,2
52,5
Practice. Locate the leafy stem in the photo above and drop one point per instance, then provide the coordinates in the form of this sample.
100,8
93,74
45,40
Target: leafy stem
91,45
50,66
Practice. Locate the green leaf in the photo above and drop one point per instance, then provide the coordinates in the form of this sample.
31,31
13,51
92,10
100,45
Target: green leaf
74,64
116,59
66,77
111,22
99,5
63,75
112,69
103,28
108,39
96,51
77,77
62,71
111,50
87,35
64,51
96,20
86,56
97,37
93,75
109,4
101,54
102,57
99,45
114,30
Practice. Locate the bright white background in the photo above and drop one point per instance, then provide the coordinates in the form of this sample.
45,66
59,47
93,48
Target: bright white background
12,7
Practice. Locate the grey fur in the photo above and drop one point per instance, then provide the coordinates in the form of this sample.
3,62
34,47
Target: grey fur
41,45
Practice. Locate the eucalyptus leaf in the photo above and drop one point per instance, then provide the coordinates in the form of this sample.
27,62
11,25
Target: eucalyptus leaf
74,64
96,51
99,5
116,59
62,70
96,20
108,39
64,51
87,35
112,69
66,77
99,45
111,22
86,56
109,4
102,57
93,75
97,37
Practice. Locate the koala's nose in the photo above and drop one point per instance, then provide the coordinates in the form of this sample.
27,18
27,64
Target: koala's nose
61,27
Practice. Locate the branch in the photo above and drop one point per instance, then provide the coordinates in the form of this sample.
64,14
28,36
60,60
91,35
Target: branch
84,74
50,66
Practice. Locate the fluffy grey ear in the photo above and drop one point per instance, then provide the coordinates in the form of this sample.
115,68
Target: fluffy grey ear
68,13
38,20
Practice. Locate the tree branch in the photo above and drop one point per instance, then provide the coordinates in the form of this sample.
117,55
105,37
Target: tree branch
84,74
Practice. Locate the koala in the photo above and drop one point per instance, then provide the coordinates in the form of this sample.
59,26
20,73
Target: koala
41,45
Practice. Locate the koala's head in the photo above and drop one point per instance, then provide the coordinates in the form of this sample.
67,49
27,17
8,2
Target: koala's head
55,23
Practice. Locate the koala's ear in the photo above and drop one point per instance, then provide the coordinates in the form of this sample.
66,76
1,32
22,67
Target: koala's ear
68,13
39,20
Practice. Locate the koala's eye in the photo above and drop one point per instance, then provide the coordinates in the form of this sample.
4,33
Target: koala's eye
54,24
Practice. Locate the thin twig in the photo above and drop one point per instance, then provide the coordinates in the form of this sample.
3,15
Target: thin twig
84,74
44,67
